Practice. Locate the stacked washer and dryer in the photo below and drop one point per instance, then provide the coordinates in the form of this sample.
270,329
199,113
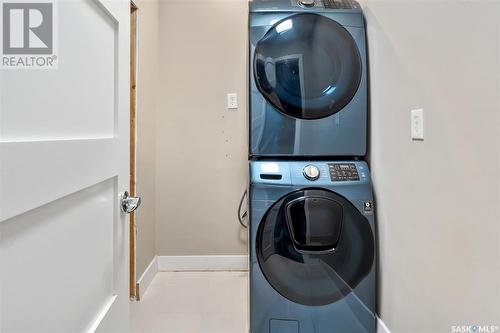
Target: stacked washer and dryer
311,219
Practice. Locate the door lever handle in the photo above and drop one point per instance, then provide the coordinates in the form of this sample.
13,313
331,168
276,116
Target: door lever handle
128,203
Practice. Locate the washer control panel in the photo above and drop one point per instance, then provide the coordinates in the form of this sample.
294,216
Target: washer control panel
343,171
307,173
340,4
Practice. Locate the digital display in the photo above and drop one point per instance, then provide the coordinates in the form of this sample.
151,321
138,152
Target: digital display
343,172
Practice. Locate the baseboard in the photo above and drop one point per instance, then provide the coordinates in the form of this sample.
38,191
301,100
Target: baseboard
203,263
146,278
381,326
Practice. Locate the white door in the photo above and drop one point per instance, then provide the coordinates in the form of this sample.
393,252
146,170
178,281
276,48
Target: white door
63,163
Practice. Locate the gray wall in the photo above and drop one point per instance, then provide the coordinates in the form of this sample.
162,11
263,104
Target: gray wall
438,200
147,106
201,146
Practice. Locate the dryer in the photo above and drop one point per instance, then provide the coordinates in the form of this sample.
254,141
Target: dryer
307,78
312,247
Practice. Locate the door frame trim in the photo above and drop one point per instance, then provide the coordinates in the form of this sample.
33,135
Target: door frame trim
133,103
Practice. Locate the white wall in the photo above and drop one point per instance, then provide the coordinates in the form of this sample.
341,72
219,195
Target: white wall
147,106
201,147
438,200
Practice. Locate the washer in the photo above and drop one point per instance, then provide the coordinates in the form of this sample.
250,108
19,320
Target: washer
308,78
312,247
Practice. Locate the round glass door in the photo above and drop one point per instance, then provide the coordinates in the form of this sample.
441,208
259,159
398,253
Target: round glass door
314,247
307,66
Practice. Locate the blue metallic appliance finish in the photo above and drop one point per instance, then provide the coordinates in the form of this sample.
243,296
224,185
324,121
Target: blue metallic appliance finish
312,247
308,81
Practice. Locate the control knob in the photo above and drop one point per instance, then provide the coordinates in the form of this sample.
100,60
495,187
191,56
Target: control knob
306,3
311,172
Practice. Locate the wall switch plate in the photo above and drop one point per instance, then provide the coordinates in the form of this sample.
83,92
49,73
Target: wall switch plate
232,101
417,124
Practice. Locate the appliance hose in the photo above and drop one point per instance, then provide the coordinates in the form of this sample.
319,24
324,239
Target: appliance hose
243,216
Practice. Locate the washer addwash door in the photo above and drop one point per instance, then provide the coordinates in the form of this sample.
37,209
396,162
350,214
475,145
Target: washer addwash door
314,247
307,66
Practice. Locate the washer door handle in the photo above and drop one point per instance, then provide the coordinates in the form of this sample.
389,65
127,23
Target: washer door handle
306,246
128,203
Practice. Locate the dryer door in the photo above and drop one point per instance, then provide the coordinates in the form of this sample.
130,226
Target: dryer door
314,247
307,66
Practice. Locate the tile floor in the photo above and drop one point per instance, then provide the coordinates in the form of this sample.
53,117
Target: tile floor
193,302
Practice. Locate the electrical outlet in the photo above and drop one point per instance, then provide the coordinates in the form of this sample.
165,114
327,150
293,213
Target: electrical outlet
417,124
232,101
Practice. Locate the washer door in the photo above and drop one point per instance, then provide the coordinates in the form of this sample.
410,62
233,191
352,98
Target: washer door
307,66
314,247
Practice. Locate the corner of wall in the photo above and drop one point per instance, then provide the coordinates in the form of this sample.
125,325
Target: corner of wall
147,109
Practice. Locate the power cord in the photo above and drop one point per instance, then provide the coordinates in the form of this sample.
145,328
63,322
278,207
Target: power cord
243,216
